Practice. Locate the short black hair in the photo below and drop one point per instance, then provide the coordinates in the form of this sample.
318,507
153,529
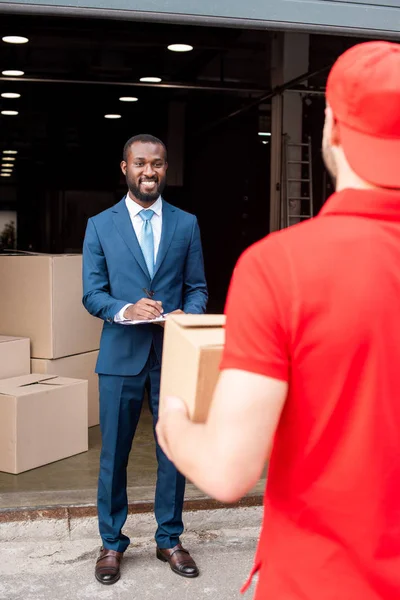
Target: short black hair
144,138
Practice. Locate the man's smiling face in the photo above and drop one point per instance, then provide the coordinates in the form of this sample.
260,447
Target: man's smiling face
145,170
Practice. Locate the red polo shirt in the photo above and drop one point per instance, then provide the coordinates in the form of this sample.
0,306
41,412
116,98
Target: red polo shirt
318,305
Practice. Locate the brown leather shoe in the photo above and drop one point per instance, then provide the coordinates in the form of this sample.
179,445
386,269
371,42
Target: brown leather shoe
107,566
179,560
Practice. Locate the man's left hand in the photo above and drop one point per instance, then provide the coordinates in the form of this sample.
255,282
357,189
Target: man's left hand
174,312
174,409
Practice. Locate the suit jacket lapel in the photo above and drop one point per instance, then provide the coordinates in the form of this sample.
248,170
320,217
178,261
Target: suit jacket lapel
169,221
124,225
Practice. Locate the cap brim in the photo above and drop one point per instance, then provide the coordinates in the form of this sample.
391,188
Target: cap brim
375,160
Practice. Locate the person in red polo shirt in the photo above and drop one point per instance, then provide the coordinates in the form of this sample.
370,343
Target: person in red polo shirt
312,363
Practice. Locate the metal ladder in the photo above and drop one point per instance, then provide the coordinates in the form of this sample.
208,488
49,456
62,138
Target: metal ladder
298,182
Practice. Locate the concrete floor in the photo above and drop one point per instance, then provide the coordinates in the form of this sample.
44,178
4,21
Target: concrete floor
73,481
48,569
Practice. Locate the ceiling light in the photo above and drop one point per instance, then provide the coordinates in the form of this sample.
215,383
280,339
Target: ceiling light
8,158
265,142
10,95
150,79
9,113
10,152
12,73
15,39
264,133
112,116
6,170
128,99
180,48
5,174
5,165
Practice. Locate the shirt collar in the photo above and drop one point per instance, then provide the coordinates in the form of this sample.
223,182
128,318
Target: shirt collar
373,204
134,208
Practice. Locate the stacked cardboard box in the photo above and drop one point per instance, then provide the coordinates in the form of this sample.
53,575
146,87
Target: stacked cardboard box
41,299
14,356
78,366
42,419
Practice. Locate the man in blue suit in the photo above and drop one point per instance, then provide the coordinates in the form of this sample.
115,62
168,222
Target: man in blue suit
141,258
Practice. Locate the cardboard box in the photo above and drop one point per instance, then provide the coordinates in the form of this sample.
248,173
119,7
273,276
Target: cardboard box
192,353
41,298
42,419
80,366
14,356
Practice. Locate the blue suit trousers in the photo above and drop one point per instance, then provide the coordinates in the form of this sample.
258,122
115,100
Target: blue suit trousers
121,400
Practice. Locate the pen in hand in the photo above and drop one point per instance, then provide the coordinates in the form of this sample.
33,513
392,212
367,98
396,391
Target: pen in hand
150,296
148,293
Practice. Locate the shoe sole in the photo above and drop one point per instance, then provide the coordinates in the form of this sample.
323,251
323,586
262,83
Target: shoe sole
187,575
117,578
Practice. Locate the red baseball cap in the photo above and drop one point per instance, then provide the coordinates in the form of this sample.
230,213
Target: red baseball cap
363,91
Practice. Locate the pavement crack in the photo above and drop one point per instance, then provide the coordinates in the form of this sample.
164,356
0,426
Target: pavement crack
82,557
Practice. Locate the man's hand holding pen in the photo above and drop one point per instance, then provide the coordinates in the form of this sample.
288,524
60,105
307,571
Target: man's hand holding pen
147,308
144,309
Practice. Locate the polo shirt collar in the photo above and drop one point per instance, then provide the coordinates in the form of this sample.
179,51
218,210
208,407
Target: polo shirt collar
374,204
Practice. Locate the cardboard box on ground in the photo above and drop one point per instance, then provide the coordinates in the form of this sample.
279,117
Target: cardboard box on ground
41,298
192,354
79,366
43,419
14,356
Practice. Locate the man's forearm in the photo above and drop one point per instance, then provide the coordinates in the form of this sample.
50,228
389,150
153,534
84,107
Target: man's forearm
101,304
205,458
191,451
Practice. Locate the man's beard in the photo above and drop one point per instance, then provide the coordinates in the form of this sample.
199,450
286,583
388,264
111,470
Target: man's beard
146,197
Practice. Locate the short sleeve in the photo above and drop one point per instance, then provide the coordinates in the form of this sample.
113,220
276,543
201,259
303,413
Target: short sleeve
258,312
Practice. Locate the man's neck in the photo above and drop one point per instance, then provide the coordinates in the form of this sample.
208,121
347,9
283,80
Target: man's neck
346,177
141,202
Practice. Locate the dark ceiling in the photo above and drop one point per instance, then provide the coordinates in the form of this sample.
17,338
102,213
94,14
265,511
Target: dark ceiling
77,69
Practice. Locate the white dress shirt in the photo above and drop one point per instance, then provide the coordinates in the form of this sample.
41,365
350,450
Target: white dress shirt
137,222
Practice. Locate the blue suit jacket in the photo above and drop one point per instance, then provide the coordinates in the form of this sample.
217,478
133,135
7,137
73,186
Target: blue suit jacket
115,273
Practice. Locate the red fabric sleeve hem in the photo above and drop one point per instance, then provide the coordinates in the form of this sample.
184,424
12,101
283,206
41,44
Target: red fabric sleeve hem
259,368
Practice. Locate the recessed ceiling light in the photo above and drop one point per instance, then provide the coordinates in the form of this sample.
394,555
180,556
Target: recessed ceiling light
9,113
10,95
267,133
5,174
265,142
6,170
6,165
180,47
8,158
112,116
128,99
12,73
150,79
10,152
15,39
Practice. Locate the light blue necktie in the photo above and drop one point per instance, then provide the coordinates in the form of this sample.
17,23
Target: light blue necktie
147,240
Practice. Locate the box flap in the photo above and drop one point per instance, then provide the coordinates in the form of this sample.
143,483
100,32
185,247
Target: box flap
32,384
200,321
23,381
10,338
7,252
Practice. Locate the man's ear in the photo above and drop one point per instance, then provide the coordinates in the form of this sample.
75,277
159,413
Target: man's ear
123,167
333,127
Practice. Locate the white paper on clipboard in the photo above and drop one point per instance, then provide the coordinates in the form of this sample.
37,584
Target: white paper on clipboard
157,320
